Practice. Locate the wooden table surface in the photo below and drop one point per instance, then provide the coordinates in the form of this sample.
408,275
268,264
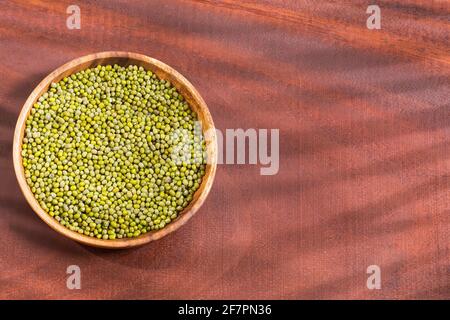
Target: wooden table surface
364,125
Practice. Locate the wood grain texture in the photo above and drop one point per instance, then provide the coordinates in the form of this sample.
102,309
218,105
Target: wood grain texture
163,71
364,149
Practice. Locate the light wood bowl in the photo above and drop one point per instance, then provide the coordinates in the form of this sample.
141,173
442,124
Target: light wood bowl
164,72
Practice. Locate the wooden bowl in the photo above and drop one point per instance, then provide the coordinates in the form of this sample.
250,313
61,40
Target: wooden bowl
164,72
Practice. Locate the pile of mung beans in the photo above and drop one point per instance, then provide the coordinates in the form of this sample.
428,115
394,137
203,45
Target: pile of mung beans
98,152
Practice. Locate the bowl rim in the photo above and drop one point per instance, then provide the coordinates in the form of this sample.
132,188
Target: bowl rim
180,82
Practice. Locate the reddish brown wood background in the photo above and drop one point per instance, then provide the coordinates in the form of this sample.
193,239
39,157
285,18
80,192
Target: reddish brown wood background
365,149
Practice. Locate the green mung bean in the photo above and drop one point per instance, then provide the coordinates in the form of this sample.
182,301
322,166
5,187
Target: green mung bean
98,152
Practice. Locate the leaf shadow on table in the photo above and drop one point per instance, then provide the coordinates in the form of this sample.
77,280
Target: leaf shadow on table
7,122
417,84
7,117
393,282
418,10
350,226
334,60
6,151
24,222
22,89
374,130
352,223
10,109
390,165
